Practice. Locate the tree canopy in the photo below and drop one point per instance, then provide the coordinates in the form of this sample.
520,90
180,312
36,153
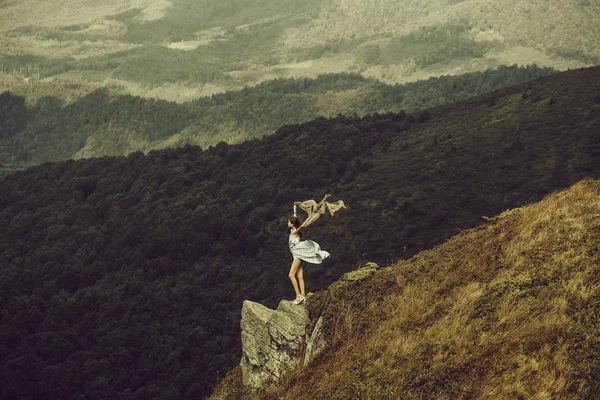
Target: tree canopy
124,276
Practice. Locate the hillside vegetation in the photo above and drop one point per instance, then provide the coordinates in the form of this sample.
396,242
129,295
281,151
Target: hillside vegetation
183,49
139,41
124,276
508,309
49,122
539,24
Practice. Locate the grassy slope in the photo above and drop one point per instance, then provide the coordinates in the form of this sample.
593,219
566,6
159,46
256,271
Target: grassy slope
505,310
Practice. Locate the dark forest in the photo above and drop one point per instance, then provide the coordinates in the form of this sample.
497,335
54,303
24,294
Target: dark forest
123,277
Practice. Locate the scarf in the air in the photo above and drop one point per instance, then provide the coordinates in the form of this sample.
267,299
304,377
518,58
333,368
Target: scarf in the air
315,210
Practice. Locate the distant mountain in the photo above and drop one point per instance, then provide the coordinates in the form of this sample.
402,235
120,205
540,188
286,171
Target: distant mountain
124,276
183,49
46,122
505,310
483,32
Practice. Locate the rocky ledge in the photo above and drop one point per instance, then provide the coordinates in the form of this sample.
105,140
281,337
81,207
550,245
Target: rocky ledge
275,341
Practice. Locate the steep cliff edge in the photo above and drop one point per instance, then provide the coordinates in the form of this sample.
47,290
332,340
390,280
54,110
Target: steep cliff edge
275,341
508,309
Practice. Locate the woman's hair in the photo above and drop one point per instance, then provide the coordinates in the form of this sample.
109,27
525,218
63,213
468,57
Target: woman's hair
297,222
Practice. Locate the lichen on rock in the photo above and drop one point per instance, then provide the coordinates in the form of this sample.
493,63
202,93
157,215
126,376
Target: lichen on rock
364,271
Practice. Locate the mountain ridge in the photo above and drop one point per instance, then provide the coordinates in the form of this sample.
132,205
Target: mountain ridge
39,126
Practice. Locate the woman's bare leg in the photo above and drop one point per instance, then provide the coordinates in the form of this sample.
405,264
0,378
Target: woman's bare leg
301,279
295,264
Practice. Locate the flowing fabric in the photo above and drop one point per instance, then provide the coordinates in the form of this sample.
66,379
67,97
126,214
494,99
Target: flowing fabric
315,210
306,250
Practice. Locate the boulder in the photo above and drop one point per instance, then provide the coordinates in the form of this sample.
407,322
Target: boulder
273,341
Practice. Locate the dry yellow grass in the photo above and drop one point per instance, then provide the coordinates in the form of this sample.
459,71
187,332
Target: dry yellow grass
506,310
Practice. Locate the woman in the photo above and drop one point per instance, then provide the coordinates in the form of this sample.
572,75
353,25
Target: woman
302,250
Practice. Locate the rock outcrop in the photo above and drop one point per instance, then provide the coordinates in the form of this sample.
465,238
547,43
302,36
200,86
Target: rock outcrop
275,341
315,343
364,271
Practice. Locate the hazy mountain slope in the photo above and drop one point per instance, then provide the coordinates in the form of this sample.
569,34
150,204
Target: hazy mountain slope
138,44
182,49
539,24
492,33
50,122
71,12
505,310
124,276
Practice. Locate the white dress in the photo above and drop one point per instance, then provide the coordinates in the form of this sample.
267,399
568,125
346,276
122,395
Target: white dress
306,250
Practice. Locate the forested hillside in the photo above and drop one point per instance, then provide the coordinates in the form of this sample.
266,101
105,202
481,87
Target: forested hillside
36,127
123,277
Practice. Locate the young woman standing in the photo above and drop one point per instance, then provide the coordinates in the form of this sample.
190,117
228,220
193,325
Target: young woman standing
302,250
